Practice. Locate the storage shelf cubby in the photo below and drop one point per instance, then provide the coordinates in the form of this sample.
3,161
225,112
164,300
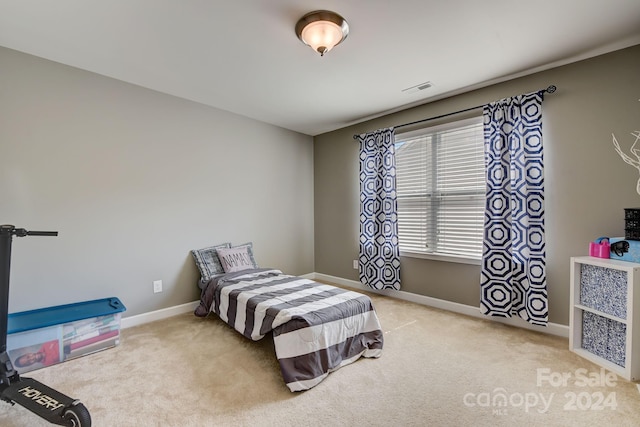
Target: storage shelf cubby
605,307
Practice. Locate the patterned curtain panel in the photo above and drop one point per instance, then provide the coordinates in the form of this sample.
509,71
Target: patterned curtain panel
379,250
513,278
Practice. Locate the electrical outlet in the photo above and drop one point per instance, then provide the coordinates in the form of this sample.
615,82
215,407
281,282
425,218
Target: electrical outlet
355,264
157,286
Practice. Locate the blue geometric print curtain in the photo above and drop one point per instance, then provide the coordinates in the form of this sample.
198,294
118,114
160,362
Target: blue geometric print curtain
379,250
513,277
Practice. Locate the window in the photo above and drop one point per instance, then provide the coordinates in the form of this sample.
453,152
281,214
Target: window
441,190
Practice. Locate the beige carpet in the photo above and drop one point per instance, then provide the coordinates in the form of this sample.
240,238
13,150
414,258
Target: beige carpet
437,369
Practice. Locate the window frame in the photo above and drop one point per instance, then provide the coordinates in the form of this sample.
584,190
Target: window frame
432,129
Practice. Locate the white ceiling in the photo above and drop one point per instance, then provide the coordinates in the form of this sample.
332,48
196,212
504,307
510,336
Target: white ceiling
243,56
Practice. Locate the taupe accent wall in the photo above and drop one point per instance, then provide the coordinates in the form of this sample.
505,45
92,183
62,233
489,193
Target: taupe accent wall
587,184
133,180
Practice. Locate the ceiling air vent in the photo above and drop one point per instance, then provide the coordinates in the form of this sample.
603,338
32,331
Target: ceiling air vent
417,88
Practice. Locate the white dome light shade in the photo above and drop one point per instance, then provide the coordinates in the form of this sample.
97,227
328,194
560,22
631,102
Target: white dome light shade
322,35
322,30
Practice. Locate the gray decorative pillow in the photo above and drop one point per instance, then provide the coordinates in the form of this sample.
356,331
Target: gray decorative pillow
235,259
249,246
208,262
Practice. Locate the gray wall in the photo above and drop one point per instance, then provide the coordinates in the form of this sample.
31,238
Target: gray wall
587,184
133,180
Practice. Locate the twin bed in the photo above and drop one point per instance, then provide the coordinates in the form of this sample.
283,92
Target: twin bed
316,328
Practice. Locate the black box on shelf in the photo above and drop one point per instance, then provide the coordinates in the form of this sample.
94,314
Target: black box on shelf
632,223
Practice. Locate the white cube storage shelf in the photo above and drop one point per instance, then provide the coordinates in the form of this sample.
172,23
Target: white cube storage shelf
605,307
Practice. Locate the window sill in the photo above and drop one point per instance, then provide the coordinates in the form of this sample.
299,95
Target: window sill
443,258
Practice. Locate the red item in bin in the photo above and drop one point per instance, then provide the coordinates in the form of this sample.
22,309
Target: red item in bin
600,248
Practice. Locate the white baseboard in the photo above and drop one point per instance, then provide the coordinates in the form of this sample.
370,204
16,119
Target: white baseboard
128,322
551,328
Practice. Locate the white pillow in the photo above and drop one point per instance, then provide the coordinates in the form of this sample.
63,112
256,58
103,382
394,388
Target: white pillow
235,259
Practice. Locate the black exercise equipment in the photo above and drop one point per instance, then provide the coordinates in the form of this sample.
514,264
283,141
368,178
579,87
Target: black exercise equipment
44,401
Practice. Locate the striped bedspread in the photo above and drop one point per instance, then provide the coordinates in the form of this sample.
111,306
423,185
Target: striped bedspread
317,328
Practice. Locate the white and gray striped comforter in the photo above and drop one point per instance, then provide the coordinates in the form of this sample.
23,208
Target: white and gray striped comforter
317,328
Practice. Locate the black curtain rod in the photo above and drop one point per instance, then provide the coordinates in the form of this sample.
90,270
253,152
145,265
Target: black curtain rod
550,89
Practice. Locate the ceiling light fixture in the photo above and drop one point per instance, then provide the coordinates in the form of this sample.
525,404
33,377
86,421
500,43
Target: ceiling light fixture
322,30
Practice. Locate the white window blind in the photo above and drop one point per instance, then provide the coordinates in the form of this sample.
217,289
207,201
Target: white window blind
440,179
